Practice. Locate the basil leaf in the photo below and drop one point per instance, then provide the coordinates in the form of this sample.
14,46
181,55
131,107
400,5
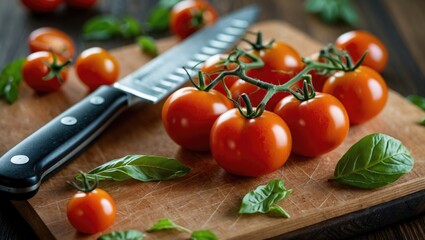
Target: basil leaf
106,27
163,224
159,17
140,167
147,44
417,100
203,235
422,122
101,28
264,198
167,224
130,27
347,13
374,161
332,11
123,235
10,79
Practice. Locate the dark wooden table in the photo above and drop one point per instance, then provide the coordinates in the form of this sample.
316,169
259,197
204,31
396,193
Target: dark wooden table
399,24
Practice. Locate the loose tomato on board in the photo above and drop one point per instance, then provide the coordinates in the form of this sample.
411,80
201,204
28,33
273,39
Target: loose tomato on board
42,6
281,63
91,209
363,92
189,16
213,66
44,72
318,125
250,147
51,39
96,66
188,115
80,4
358,42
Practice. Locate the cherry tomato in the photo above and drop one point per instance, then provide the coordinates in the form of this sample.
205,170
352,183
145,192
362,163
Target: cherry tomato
188,115
213,67
37,73
96,66
250,147
42,6
317,125
281,63
363,92
51,39
189,16
357,42
80,4
91,212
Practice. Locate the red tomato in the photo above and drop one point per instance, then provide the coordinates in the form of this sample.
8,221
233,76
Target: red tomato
281,63
51,39
250,147
363,92
189,16
358,42
91,212
37,73
96,66
317,125
212,68
42,6
80,4
188,115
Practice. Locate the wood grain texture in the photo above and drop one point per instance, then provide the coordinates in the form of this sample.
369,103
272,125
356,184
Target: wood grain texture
209,198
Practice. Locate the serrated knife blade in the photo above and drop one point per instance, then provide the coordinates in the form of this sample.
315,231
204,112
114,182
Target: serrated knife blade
24,166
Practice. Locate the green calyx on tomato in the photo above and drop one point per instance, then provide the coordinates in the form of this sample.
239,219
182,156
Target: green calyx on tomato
55,69
86,186
259,43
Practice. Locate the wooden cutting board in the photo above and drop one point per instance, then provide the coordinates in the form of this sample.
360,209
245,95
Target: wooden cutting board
208,197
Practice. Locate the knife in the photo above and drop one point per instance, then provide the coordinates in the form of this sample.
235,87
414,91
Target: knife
24,166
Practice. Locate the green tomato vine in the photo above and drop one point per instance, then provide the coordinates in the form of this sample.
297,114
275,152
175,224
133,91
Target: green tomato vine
332,59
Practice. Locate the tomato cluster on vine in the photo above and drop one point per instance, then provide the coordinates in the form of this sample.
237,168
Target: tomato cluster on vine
282,103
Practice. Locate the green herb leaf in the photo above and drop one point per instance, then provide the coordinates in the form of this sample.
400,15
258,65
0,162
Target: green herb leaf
147,44
417,100
374,161
140,167
130,27
159,17
167,224
264,198
10,79
422,122
163,224
101,28
123,235
106,27
203,235
332,11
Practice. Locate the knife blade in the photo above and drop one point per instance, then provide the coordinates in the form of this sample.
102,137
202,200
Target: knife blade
24,166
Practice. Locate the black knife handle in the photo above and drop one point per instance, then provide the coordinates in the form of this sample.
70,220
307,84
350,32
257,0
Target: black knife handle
24,166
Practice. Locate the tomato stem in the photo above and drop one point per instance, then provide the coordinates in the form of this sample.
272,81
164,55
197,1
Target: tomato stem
334,60
86,179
